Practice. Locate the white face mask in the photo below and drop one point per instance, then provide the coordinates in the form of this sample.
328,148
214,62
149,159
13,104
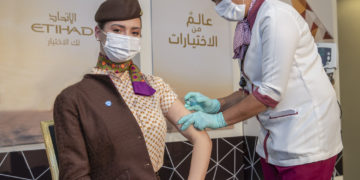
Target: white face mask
120,48
231,11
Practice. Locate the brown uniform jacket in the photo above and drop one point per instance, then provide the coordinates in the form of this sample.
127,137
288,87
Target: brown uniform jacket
97,135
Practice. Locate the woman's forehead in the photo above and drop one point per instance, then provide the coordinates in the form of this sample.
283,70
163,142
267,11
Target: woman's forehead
125,23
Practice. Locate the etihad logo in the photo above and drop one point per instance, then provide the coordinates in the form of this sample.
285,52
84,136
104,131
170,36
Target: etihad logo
61,29
67,29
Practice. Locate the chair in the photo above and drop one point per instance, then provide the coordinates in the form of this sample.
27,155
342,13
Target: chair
47,128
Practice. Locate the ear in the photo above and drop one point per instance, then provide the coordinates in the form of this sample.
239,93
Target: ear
97,33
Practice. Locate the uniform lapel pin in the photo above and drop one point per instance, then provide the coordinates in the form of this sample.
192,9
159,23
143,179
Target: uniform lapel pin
108,103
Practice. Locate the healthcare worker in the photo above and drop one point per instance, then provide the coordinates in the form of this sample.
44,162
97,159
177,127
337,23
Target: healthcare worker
285,87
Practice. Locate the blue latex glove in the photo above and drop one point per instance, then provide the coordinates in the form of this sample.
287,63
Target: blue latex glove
202,120
195,101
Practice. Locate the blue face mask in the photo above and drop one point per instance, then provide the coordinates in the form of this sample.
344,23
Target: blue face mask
231,11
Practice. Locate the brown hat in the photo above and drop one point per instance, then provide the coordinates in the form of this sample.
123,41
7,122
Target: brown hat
118,10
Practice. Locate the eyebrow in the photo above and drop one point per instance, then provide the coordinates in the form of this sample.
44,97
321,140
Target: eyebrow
122,26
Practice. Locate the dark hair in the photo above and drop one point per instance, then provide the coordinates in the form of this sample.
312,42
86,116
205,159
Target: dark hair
101,24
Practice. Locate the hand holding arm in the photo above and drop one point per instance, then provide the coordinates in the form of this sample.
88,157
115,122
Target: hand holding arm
241,111
202,120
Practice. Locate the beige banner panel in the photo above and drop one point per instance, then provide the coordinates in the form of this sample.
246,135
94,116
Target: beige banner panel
46,45
192,47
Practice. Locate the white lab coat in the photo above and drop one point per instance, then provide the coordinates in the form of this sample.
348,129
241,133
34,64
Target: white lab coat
284,71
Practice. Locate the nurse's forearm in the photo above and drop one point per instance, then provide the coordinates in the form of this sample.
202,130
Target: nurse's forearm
231,100
243,110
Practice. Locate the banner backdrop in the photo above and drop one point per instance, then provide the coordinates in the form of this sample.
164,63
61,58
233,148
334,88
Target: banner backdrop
192,47
46,45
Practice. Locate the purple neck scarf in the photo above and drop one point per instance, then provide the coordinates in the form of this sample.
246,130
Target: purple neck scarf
243,29
139,84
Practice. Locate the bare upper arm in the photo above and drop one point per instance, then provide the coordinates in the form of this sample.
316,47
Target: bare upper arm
175,113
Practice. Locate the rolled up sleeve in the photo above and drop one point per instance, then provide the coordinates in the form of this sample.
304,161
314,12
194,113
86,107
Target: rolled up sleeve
279,37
